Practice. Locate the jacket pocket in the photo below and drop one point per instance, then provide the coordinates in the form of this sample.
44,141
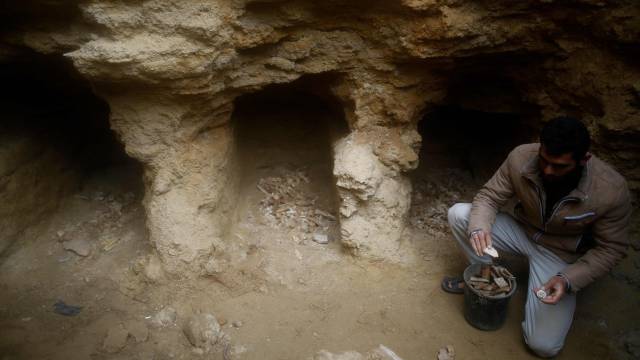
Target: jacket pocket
567,243
579,222
581,217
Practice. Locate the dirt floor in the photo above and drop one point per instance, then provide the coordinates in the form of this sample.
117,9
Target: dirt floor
288,296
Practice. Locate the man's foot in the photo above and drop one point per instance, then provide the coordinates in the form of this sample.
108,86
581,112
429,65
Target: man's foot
453,285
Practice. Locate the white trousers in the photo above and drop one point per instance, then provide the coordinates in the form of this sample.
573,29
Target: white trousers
545,327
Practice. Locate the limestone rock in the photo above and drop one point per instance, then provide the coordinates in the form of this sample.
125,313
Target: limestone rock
153,271
348,355
380,353
138,330
203,331
116,339
383,353
215,267
78,246
447,353
165,317
320,238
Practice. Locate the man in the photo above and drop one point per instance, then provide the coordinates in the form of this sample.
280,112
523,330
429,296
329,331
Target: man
571,221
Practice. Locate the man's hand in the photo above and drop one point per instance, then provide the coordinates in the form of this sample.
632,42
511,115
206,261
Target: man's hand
555,288
479,241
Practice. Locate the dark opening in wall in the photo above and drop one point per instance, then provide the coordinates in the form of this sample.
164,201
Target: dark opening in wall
483,116
466,138
54,140
461,149
284,138
45,97
470,140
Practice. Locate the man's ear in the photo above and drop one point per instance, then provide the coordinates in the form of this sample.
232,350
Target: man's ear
586,158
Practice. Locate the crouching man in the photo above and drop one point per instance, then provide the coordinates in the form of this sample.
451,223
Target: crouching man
571,221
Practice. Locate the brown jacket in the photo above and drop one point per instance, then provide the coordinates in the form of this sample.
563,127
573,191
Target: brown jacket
589,228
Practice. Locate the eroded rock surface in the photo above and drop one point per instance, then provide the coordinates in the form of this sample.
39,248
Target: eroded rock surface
170,71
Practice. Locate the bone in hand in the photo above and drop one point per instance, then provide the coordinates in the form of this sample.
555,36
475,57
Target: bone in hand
491,251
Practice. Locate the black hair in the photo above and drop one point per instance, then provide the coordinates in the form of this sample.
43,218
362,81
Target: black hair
564,135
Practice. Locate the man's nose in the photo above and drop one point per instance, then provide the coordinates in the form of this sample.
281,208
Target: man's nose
547,170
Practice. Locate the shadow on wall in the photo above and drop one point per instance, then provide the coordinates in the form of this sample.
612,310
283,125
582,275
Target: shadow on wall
482,117
471,140
54,134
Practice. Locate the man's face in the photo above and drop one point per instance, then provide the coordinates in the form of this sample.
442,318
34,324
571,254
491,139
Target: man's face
555,168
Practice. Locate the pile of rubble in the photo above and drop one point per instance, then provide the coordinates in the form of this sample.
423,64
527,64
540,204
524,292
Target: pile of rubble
433,196
107,223
492,281
287,204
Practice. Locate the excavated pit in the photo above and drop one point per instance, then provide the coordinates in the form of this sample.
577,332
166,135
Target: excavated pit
287,192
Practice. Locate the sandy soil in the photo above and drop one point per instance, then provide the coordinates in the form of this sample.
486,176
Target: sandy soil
286,297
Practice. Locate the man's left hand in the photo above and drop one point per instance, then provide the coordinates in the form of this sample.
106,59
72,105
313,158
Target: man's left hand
555,288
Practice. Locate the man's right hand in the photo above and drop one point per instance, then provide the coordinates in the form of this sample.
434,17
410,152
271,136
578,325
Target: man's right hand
480,240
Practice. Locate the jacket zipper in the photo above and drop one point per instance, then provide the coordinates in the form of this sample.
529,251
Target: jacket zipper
557,206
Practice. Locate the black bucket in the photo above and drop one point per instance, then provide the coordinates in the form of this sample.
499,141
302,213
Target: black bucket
481,311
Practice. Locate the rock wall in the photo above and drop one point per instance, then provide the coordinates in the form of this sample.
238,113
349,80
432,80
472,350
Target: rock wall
170,71
33,180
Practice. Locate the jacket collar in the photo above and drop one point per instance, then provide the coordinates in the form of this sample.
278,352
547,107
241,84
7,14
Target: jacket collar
531,171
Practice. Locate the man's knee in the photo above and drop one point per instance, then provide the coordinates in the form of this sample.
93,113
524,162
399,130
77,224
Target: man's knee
459,214
543,347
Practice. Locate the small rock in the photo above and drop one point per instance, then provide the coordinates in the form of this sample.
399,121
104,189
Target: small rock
60,234
237,324
78,246
99,196
116,339
349,355
447,353
153,271
384,353
320,238
138,330
214,267
116,207
237,350
203,331
165,317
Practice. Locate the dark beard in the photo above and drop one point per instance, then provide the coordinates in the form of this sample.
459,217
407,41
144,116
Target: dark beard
569,180
559,188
